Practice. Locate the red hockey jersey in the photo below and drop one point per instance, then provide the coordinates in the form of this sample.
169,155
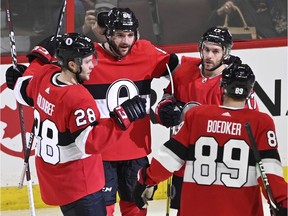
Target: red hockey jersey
220,176
191,85
69,139
114,81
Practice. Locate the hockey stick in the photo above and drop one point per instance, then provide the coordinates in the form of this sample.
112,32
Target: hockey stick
169,180
272,204
20,109
14,61
29,147
60,19
26,161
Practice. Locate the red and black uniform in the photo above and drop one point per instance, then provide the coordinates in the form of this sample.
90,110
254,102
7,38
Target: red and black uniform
111,83
69,138
191,85
219,164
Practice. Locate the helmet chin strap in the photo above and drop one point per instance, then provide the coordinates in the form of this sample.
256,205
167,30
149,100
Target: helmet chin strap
113,48
217,66
212,69
221,62
77,74
116,51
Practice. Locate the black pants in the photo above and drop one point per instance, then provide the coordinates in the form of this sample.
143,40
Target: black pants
90,205
121,176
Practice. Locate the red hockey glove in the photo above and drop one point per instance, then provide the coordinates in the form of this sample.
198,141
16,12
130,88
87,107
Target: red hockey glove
13,74
142,193
45,50
168,112
129,111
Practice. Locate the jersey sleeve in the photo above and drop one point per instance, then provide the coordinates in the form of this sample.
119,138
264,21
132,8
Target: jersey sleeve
159,58
171,156
251,102
34,67
20,91
267,143
23,85
91,134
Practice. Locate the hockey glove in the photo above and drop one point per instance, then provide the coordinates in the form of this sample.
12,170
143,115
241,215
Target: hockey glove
13,74
129,111
168,113
102,18
142,193
45,50
232,60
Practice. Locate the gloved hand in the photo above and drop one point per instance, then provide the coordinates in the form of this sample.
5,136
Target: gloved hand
232,60
129,111
102,18
13,74
168,113
45,50
142,193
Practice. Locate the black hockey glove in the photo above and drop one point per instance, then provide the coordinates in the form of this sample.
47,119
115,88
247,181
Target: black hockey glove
232,60
142,192
102,18
13,74
45,50
129,111
168,112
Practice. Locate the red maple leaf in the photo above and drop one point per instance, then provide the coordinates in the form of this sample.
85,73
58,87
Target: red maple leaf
12,119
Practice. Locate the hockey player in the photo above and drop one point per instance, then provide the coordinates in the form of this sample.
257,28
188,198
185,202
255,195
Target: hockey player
221,176
69,135
126,68
198,79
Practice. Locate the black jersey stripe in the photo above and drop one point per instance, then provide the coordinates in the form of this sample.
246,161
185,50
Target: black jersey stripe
177,148
266,154
98,91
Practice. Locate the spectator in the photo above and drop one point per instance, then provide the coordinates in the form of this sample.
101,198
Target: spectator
269,17
91,23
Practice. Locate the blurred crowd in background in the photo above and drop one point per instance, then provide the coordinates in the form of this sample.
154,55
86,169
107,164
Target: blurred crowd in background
161,21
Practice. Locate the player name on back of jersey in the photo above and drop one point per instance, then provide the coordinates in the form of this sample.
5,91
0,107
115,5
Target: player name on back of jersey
224,127
45,105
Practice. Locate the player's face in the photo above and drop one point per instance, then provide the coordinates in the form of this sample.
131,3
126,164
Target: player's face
88,64
123,41
212,55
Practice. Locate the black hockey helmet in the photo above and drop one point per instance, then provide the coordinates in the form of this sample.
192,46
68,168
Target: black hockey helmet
74,47
220,36
121,19
237,80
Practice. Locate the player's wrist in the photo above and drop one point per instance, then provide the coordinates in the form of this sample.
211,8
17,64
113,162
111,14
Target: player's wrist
121,118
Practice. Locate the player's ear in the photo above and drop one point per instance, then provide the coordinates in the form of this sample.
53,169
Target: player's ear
72,65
